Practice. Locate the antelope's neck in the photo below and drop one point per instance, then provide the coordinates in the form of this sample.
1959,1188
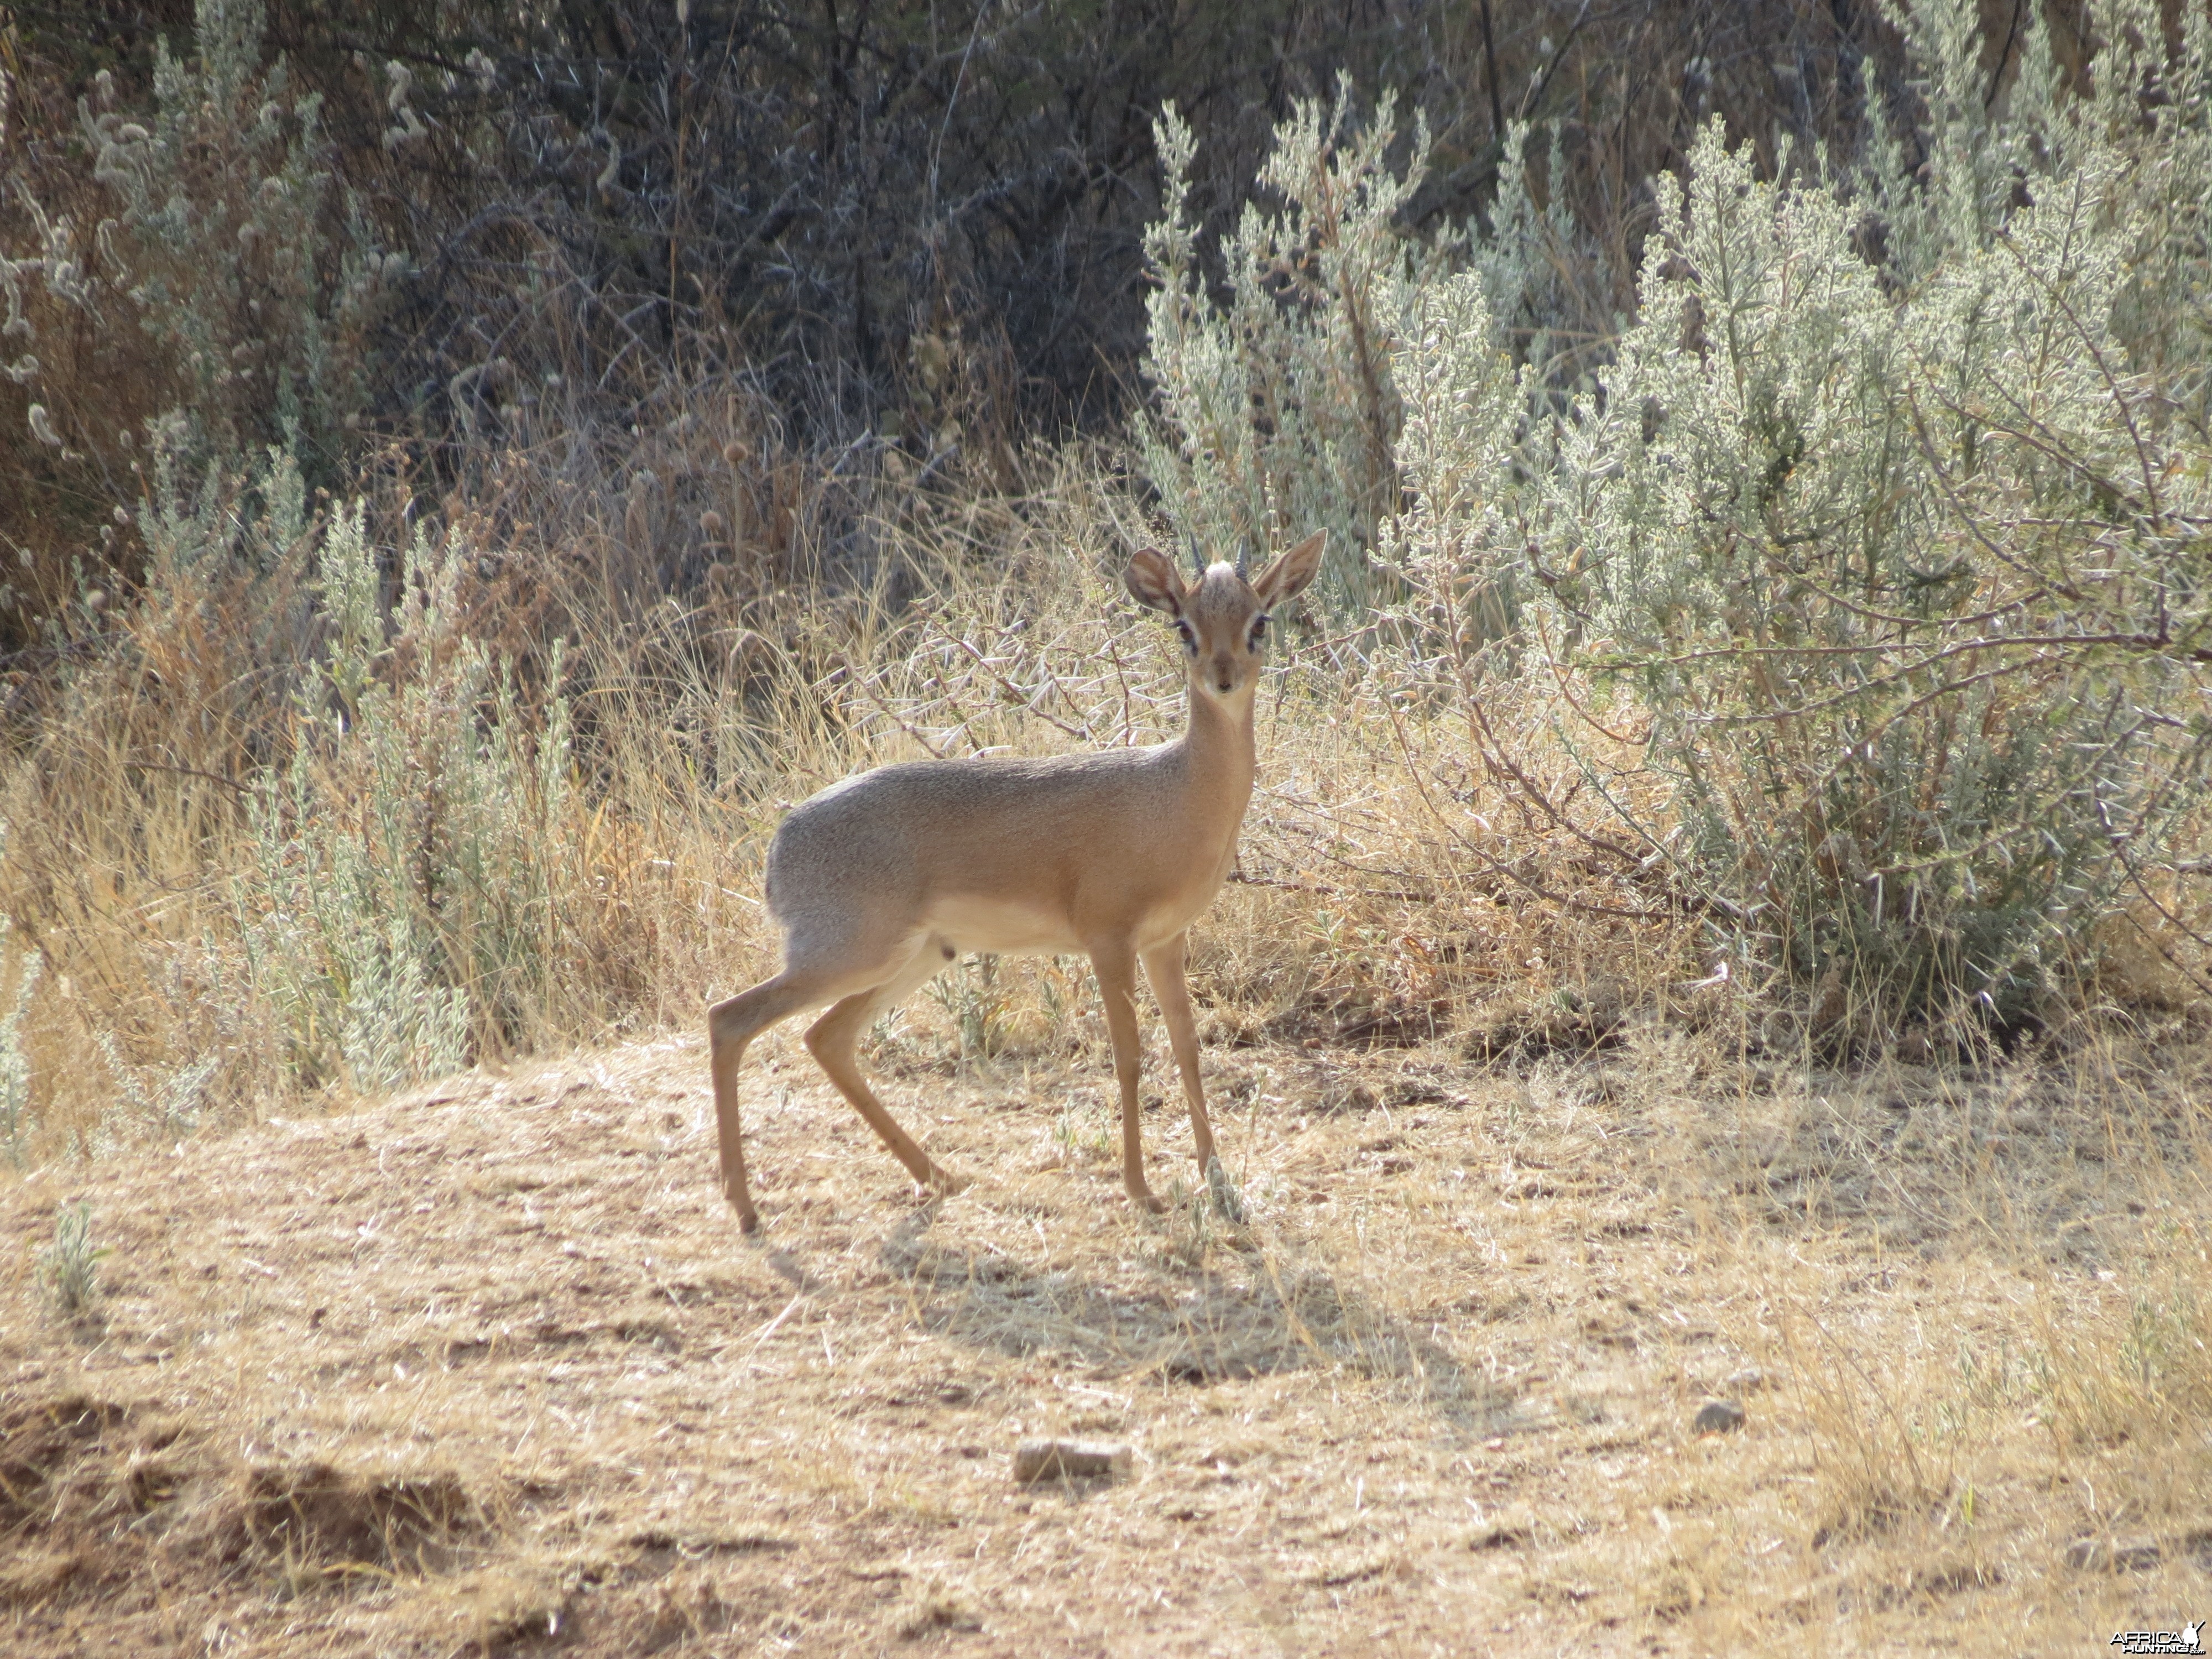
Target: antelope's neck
1221,753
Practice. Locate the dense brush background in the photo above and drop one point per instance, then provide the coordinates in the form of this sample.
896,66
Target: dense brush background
464,468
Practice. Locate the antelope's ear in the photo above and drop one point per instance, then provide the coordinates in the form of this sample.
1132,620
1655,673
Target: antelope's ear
1290,571
1153,581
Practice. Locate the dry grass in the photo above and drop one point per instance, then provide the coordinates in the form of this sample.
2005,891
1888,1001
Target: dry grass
488,1365
1406,878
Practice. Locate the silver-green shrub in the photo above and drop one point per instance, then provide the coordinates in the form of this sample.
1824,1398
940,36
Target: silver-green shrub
162,1104
68,1268
407,897
224,248
1885,529
1525,258
1277,412
1904,566
15,1064
1456,546
1280,411
2154,109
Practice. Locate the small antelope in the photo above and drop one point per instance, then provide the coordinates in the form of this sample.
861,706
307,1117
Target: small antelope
879,881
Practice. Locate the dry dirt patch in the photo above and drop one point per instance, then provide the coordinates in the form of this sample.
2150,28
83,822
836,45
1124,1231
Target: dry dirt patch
488,1367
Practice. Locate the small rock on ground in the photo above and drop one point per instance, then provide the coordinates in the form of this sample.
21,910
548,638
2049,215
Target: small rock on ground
1719,1417
1053,1460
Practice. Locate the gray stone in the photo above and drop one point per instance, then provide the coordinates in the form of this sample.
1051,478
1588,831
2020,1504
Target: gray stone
1055,1460
1719,1417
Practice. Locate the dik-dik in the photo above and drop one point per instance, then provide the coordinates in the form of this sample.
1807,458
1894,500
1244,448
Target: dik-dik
879,881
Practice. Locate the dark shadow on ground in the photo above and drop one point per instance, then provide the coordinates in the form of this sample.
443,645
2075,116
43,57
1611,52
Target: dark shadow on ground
1239,1312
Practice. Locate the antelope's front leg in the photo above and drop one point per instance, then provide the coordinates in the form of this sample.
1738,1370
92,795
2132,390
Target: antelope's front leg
1163,966
1115,965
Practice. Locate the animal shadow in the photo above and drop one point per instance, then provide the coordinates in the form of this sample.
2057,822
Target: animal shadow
1238,1315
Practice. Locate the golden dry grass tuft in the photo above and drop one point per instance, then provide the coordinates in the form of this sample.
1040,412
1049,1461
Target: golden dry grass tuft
1392,877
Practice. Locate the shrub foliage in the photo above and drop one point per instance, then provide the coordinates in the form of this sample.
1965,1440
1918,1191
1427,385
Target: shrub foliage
1903,557
1883,528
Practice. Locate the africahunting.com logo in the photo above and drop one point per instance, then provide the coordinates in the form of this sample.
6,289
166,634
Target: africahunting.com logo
2189,1638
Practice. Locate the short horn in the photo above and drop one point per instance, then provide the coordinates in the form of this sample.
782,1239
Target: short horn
1243,558
1197,564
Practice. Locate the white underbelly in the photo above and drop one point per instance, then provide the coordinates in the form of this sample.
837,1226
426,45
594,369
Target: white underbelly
996,927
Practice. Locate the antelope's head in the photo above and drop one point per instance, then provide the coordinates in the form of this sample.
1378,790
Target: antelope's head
1222,614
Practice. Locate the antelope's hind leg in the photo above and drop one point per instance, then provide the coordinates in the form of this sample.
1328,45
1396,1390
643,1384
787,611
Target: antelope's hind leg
730,1025
832,1039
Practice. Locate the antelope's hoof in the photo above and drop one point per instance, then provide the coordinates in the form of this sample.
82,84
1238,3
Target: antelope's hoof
1142,1199
942,1183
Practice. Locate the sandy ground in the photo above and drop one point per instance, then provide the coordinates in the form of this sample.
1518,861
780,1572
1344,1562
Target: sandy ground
489,1367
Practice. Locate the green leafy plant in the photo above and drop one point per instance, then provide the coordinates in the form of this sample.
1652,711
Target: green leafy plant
70,1266
15,1064
973,993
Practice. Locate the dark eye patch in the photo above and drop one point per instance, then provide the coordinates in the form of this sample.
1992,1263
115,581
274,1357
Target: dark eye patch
1260,628
1189,633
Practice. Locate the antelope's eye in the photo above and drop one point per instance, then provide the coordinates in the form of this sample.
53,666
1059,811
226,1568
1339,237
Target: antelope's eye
1260,630
1189,635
